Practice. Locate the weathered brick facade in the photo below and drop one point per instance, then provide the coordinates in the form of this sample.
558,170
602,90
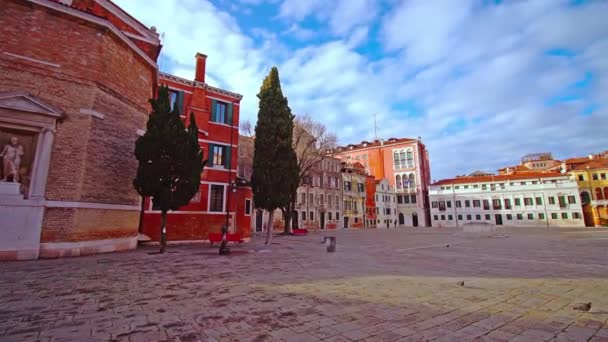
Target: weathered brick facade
79,60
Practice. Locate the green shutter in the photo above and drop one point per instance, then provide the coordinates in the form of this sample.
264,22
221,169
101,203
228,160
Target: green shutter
213,105
229,114
179,102
227,159
210,159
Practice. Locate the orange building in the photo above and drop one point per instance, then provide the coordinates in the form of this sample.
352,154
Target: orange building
370,202
405,163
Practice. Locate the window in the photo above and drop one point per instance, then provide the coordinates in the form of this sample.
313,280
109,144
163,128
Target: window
220,155
606,192
565,216
310,198
329,215
321,199
410,159
398,181
172,98
484,186
562,201
441,205
337,215
221,112
517,202
581,178
467,203
311,215
530,216
458,204
459,217
356,220
329,200
509,217
478,217
507,203
399,199
466,186
435,217
595,176
457,187
571,199
469,217
539,201
541,216
216,198
303,216
488,217
449,203
554,216
522,183
442,217
496,204
576,216
520,216
528,201
603,176
486,204
551,200
247,207
585,197
413,198
476,203
450,217
475,186
406,199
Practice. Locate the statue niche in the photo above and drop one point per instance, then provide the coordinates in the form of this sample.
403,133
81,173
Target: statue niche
16,157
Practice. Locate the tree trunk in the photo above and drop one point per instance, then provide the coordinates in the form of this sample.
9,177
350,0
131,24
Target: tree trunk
269,226
287,213
163,231
141,214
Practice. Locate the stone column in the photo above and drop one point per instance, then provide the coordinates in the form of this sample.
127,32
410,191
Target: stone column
41,164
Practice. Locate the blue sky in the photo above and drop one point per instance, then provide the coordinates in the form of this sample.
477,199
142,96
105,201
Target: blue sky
483,82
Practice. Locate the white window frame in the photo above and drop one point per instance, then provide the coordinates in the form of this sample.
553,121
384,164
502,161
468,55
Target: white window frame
209,198
250,208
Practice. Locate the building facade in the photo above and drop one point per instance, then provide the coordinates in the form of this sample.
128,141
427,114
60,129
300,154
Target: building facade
386,205
76,79
353,195
529,199
405,164
221,196
371,215
592,179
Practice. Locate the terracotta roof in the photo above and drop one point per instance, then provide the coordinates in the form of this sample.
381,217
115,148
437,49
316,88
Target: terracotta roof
515,168
374,143
577,160
594,164
499,178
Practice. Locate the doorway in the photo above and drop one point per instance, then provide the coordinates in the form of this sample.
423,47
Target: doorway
258,221
415,220
345,222
401,218
322,220
294,220
498,219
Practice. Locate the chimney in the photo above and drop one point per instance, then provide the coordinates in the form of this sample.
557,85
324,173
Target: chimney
201,60
591,157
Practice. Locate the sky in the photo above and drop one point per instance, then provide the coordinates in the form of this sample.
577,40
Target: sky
482,82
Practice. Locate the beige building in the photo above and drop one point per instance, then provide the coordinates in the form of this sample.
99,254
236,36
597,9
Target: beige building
386,205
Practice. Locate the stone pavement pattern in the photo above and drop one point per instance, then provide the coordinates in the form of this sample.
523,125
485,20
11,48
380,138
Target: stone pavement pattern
399,285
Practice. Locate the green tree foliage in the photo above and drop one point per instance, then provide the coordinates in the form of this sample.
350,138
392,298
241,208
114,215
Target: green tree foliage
275,165
170,159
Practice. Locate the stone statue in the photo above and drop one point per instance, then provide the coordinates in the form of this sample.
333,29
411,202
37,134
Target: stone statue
11,159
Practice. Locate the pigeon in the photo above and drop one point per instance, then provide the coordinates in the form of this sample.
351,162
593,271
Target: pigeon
582,307
447,246
460,283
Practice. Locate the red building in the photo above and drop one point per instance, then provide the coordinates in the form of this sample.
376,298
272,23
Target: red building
370,202
221,197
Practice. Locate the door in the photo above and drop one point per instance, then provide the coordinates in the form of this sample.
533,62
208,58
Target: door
401,218
498,219
294,220
258,221
415,220
322,220
345,222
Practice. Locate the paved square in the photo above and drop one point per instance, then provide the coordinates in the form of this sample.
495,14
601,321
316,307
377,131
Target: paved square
399,285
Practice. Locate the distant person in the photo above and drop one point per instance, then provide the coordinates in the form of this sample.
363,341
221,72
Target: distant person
395,224
387,225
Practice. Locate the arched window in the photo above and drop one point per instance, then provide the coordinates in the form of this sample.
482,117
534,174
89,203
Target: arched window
402,155
412,181
598,194
585,197
398,182
606,192
410,158
396,159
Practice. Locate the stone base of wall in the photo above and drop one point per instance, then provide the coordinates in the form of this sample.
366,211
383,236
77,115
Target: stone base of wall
30,254
79,248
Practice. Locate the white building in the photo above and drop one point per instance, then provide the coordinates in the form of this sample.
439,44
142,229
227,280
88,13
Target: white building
386,205
529,199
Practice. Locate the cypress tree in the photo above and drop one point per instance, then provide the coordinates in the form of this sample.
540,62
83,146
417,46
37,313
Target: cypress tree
275,165
170,159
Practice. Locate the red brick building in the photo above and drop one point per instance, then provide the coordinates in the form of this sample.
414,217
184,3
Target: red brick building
76,79
370,202
217,115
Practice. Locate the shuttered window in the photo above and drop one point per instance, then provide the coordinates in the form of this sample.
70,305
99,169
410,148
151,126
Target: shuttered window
219,155
221,112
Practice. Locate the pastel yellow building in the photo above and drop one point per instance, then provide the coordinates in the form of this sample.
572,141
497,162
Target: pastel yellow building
592,179
353,195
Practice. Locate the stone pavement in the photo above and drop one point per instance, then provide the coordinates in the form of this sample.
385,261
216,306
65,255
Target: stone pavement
397,285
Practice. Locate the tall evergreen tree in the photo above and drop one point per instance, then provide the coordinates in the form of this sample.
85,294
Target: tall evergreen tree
275,165
170,159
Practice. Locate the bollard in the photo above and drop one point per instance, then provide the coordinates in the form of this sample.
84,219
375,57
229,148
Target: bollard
330,243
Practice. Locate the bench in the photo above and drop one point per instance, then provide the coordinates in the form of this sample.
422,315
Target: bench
230,237
300,231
